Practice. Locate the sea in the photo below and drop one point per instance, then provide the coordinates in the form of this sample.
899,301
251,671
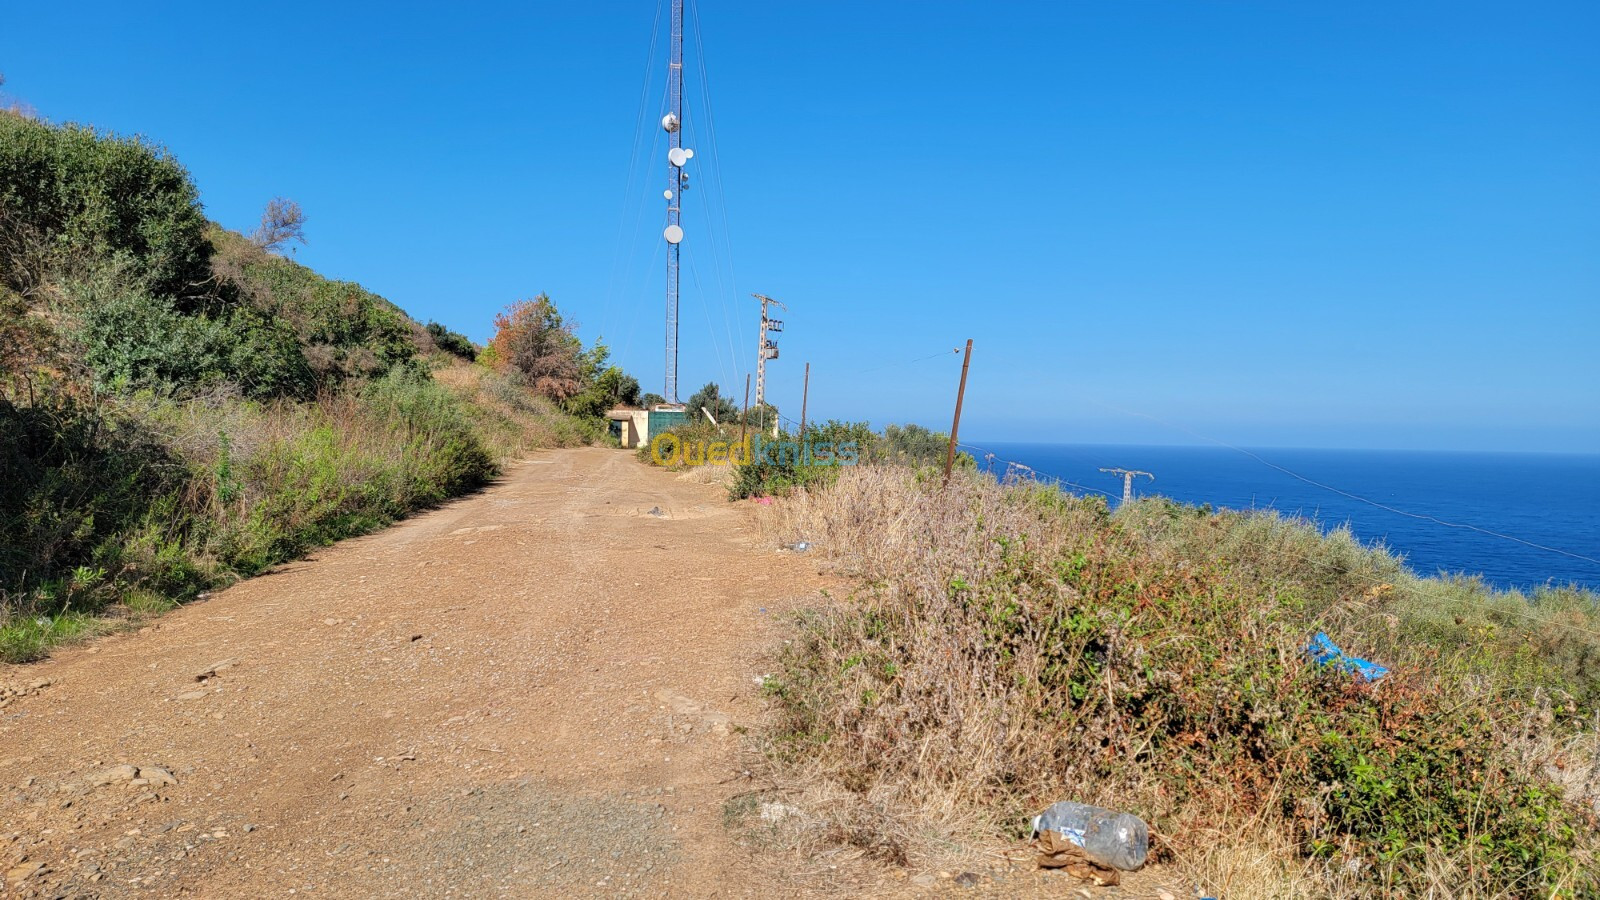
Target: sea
1518,520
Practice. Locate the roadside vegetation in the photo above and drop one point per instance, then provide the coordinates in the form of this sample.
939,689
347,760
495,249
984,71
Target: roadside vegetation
1012,645
783,470
181,405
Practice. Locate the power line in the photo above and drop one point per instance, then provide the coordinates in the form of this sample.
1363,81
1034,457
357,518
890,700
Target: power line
954,352
717,200
694,274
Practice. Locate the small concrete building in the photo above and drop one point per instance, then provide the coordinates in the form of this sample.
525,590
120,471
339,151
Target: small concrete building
633,427
629,426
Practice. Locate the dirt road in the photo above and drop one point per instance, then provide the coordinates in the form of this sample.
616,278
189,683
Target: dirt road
536,690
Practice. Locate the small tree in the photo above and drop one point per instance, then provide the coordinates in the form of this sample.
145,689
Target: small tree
532,340
710,399
651,399
619,388
611,389
281,222
762,415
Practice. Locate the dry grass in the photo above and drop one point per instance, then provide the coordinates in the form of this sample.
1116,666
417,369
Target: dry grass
510,418
1012,646
1248,859
716,475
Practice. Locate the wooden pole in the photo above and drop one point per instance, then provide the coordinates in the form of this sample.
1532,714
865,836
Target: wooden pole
744,414
805,390
955,426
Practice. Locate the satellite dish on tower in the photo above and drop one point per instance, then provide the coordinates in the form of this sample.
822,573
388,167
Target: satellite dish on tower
678,156
673,234
669,122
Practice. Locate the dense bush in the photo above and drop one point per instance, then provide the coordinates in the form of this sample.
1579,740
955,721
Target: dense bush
608,390
345,331
134,341
710,399
915,445
532,339
89,504
71,197
777,473
166,497
350,464
452,342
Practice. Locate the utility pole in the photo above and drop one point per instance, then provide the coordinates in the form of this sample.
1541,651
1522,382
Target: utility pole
955,426
677,181
767,350
744,413
805,391
1127,480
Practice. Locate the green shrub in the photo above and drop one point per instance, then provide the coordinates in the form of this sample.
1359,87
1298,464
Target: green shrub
345,331
778,473
133,341
610,389
73,484
355,464
71,196
914,445
451,342
1391,776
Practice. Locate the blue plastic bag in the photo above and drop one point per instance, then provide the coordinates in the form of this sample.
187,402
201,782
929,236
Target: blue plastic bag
1324,651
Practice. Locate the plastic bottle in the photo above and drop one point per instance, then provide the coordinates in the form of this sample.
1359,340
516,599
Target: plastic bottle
1117,840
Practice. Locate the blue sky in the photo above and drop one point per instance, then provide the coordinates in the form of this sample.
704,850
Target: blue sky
1351,224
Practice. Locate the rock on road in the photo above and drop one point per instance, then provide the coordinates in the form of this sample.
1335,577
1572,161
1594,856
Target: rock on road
536,690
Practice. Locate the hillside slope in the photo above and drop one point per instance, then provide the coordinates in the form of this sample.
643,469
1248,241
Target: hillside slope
180,406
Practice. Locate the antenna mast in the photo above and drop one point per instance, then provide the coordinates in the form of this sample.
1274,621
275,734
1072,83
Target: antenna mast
677,181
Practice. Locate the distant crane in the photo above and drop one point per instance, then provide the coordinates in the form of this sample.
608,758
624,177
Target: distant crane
1127,480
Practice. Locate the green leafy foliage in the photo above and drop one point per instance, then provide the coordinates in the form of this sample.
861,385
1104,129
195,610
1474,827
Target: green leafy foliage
134,341
344,330
610,389
710,398
353,464
776,473
70,196
914,445
74,486
452,342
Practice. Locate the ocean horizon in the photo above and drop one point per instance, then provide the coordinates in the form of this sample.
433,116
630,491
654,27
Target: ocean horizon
1516,519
